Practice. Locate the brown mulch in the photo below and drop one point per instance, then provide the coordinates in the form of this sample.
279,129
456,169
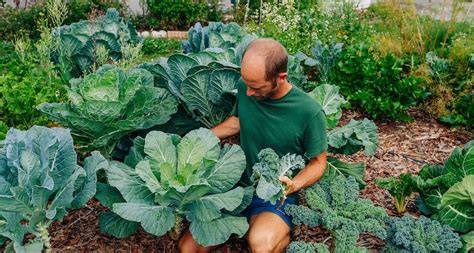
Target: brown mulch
404,147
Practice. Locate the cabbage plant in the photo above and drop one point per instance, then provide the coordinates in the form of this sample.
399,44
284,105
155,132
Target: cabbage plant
106,105
170,179
79,41
39,181
215,35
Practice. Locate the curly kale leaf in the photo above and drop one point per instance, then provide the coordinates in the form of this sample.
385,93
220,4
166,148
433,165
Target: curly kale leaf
407,234
304,247
336,205
266,173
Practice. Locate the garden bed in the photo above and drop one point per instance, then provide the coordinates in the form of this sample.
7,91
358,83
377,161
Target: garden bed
404,147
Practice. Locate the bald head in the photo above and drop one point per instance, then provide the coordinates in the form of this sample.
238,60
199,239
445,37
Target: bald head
268,54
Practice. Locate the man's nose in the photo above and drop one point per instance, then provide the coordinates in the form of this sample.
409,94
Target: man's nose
250,92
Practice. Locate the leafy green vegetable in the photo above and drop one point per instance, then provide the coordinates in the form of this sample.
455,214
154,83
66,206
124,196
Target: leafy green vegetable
304,247
79,41
400,188
39,181
267,171
215,35
325,58
328,97
350,138
468,242
109,104
407,234
334,168
183,178
338,208
446,191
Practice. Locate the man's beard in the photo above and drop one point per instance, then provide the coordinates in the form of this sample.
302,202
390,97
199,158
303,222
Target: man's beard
270,93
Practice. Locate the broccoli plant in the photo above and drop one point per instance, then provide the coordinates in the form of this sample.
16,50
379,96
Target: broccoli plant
304,247
336,206
39,181
170,178
267,171
407,234
109,104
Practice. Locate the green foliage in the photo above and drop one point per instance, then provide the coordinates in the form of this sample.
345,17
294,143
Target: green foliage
160,46
80,43
110,104
339,209
324,58
463,113
446,190
204,83
24,83
381,88
79,9
400,188
215,35
407,234
468,242
331,101
40,181
354,136
304,247
176,15
267,171
168,178
15,21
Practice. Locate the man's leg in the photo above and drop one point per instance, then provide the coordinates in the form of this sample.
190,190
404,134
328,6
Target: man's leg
268,233
188,245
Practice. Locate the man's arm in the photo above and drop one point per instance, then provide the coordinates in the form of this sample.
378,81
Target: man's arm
230,127
309,175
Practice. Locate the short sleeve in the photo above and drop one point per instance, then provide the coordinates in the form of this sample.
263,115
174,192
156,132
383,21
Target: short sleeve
315,139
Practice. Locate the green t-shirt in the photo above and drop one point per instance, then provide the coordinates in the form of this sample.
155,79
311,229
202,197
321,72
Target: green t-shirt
294,123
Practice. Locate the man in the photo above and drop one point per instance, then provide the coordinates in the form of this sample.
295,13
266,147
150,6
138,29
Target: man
271,113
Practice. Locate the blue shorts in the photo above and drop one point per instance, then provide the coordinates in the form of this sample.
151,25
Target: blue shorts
259,205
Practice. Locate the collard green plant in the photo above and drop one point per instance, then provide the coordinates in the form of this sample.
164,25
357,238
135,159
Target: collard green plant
215,35
107,105
446,190
39,181
79,41
407,234
205,83
304,247
468,242
331,101
336,206
347,139
267,171
169,179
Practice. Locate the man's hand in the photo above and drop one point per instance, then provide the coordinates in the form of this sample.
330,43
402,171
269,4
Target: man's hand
230,127
291,186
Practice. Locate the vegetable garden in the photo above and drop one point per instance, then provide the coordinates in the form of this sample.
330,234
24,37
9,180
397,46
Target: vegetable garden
106,143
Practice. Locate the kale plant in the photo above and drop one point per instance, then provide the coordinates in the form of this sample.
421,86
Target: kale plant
304,247
336,206
407,234
267,171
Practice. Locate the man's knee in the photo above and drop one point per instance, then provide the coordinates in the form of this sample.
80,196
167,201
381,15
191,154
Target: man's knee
263,242
187,244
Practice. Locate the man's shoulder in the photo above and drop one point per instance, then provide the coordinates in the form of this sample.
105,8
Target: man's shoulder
306,103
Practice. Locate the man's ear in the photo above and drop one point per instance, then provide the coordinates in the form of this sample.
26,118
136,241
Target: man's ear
282,76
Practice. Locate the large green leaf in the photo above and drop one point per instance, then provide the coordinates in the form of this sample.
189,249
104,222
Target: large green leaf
195,146
86,186
129,184
208,208
328,97
457,206
155,220
468,242
354,136
334,168
115,225
219,230
228,169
